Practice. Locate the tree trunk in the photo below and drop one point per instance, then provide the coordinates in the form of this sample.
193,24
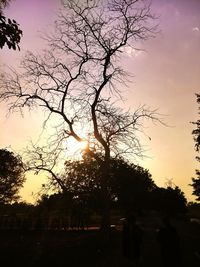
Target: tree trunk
105,178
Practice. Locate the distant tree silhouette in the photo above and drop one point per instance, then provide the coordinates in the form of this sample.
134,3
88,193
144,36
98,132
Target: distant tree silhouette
11,176
169,201
76,82
10,33
196,134
66,207
16,208
59,203
194,209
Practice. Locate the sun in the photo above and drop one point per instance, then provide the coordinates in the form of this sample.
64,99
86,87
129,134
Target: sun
75,147
83,144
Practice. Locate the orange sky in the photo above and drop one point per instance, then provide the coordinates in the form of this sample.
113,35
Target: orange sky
166,76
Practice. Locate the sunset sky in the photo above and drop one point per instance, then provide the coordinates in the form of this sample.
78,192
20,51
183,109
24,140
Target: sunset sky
166,77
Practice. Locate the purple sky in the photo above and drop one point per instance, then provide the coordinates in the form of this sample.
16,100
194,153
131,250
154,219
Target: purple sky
166,77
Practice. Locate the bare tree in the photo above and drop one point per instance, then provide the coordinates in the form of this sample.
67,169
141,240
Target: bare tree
77,79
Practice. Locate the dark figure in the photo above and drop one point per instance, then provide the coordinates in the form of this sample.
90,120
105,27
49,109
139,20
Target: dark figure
169,242
132,240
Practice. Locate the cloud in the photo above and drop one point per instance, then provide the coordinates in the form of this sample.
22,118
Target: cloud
132,52
195,29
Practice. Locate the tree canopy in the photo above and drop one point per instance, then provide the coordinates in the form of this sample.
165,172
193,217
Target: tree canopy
129,184
196,134
169,201
11,176
10,33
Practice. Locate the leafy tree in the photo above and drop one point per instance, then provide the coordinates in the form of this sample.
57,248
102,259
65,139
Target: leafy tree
76,82
196,134
130,185
16,208
170,201
194,209
11,176
196,185
10,33
56,203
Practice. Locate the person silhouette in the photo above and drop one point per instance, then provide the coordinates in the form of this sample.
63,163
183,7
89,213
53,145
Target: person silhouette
132,240
169,241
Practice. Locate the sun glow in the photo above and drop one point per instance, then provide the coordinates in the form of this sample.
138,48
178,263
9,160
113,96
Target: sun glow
75,147
83,145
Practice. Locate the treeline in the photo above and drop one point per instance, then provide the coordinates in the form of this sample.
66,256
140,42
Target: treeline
79,205
64,211
78,200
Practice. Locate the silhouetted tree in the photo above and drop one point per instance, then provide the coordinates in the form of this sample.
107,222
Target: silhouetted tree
11,176
194,209
170,201
10,33
56,203
16,208
196,134
196,185
76,81
129,184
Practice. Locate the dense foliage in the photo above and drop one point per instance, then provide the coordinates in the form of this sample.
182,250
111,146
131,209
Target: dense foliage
196,134
11,176
170,201
10,33
130,186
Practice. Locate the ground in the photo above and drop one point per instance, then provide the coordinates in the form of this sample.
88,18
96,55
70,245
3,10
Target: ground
88,248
